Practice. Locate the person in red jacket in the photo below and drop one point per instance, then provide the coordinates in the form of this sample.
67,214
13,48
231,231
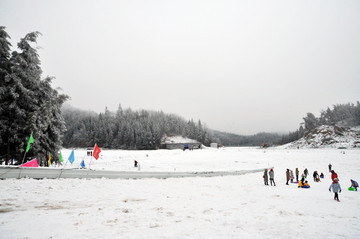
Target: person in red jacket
333,175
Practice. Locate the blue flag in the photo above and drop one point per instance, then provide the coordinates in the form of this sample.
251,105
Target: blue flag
72,157
82,164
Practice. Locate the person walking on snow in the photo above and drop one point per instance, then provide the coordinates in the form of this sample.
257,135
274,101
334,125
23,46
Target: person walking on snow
291,176
329,167
297,174
335,186
306,172
287,176
266,178
271,174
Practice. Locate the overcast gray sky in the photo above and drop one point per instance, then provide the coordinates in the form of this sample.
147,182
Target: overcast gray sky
239,66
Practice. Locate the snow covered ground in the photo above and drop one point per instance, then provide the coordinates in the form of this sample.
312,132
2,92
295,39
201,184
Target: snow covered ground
217,207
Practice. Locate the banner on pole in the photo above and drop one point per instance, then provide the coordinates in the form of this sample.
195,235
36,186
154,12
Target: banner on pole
31,140
96,152
72,157
33,163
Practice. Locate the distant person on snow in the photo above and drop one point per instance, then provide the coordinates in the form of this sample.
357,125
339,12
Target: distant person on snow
297,174
335,186
306,185
301,184
315,176
321,175
334,175
135,163
291,176
287,176
354,184
306,172
266,178
330,167
271,174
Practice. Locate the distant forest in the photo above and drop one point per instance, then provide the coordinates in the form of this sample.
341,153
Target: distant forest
128,129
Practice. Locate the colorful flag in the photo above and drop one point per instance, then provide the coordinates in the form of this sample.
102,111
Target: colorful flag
49,159
96,152
31,140
61,160
32,163
82,164
72,157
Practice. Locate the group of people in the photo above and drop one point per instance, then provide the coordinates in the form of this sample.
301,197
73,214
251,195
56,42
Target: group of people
266,177
302,183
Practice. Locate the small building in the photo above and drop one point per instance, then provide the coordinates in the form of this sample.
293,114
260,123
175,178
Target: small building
179,142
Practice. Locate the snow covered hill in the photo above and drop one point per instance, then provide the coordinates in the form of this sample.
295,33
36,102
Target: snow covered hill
329,137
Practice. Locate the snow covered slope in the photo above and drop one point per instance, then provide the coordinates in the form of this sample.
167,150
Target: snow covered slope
329,137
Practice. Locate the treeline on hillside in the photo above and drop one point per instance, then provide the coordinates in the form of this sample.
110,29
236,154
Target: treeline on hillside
28,104
342,114
265,139
128,129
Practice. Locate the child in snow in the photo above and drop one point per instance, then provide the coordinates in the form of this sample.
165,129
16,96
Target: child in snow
306,185
291,176
334,175
300,185
335,186
354,184
321,175
271,174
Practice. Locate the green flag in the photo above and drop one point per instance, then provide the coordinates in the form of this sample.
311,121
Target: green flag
31,140
61,160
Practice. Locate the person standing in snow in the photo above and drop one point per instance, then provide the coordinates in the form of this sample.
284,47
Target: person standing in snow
330,167
335,186
291,176
135,163
354,184
266,178
271,174
334,175
287,176
315,176
297,174
306,172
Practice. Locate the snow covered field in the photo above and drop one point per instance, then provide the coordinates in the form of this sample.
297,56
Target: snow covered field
217,207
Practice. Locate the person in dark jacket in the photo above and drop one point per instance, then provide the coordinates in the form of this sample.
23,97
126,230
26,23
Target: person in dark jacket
271,174
329,167
297,174
315,176
335,186
306,172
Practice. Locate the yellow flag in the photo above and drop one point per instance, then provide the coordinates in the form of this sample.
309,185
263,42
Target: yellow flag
49,159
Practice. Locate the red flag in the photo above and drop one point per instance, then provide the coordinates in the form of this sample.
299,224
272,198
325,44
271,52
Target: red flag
96,152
